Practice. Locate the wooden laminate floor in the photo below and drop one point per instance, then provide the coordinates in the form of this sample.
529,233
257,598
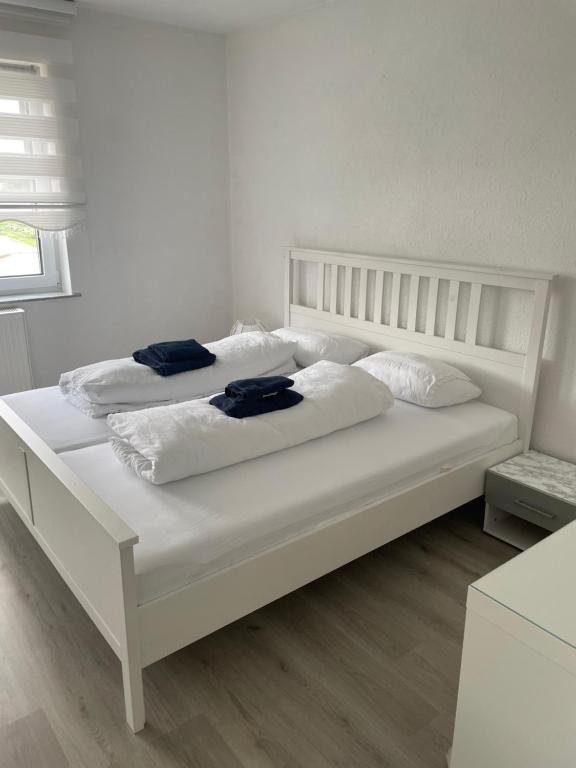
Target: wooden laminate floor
357,670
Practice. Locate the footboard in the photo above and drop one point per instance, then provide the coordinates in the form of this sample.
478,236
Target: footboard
88,544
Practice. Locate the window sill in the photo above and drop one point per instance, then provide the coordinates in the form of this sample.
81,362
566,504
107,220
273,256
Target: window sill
21,298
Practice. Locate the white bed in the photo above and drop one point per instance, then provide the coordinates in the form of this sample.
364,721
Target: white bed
324,503
195,527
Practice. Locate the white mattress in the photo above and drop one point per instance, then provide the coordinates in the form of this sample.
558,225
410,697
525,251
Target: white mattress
194,527
62,426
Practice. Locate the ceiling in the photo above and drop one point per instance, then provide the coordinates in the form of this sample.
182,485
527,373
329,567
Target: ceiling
212,15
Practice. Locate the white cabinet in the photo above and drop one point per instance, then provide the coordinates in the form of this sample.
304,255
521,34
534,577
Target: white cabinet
517,695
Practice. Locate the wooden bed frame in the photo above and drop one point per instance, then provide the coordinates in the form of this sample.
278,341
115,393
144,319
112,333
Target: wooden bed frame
93,549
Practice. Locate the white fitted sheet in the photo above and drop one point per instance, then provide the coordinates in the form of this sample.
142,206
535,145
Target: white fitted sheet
62,426
194,527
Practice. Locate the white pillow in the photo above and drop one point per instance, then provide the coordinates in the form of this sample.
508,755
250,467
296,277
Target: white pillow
420,380
314,346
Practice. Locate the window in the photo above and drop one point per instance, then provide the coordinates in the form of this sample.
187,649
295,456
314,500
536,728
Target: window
41,194
30,261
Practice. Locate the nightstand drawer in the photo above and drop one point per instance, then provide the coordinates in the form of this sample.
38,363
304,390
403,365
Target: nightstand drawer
532,505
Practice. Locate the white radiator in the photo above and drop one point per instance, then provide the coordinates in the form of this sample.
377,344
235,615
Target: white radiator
15,370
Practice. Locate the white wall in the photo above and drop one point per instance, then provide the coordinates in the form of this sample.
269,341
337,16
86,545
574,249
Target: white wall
152,102
438,130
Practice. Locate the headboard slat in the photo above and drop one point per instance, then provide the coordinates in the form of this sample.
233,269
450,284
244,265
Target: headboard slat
473,313
320,286
395,299
432,306
453,294
348,292
379,297
363,294
333,288
413,302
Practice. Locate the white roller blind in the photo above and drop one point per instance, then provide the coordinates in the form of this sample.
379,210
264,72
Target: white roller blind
40,168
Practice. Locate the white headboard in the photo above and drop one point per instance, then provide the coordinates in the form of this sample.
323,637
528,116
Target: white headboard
435,309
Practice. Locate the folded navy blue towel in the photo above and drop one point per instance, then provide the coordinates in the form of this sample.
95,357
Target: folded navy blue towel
178,351
251,389
145,357
242,409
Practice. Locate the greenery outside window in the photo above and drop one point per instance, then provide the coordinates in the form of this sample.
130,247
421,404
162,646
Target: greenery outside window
30,261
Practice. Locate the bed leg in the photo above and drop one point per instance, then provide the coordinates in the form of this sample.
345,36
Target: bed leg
131,666
133,696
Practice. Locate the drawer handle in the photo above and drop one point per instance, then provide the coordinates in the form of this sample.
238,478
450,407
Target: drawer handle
530,508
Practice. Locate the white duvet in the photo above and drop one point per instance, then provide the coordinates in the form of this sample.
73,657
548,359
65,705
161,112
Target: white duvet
121,385
177,441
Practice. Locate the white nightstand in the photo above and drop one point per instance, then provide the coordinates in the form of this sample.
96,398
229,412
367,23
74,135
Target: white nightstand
528,497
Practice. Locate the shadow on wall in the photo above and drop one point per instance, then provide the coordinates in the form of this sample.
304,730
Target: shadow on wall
555,422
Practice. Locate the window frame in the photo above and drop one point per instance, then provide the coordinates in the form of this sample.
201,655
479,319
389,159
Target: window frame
52,251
